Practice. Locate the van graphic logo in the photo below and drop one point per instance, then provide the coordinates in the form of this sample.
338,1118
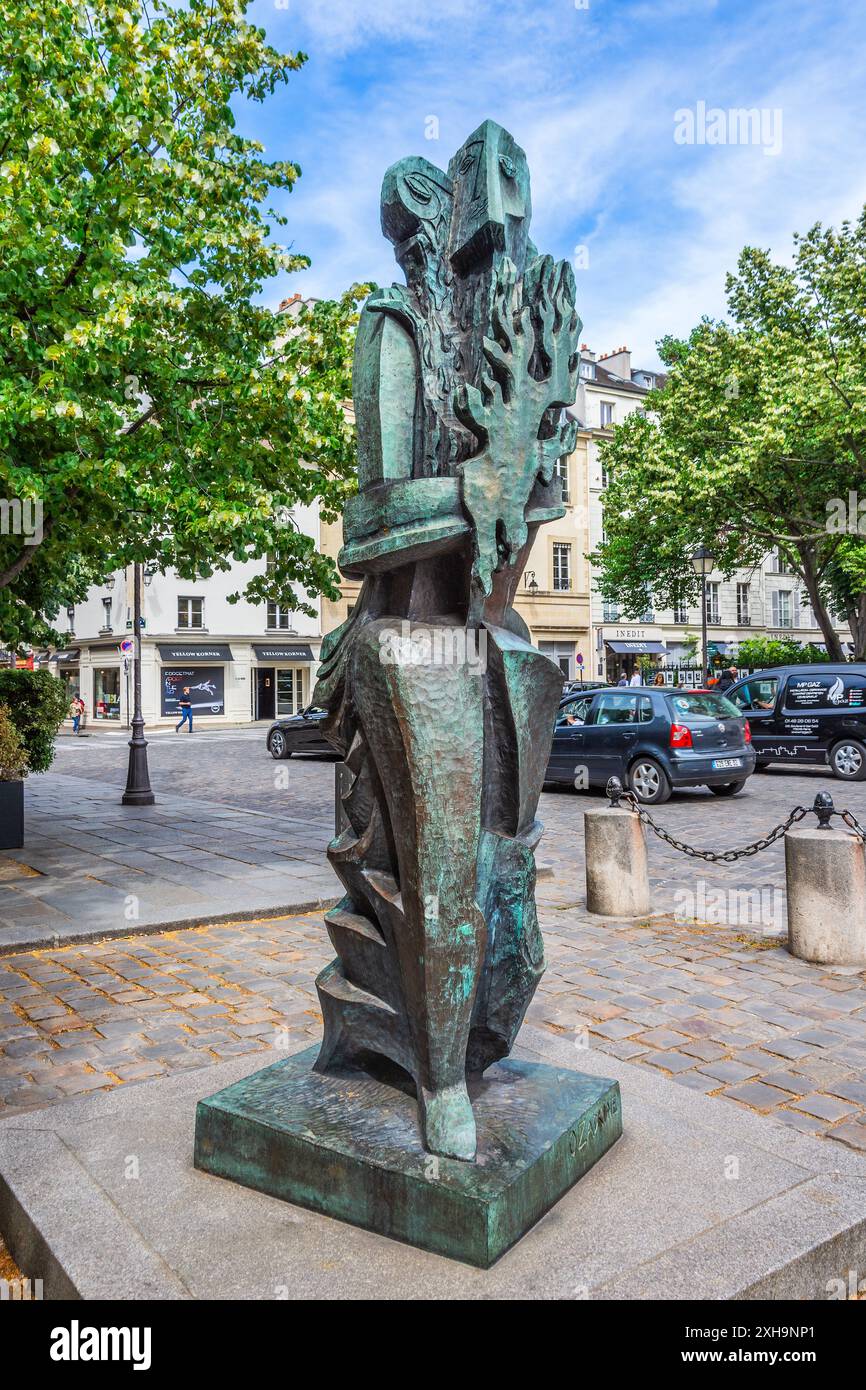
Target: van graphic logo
836,693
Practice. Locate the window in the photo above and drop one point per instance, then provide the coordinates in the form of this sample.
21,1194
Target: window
711,706
190,612
605,410
756,694
561,472
807,613
561,566
279,618
605,475
743,615
106,615
713,602
106,692
290,691
617,709
648,614
574,713
780,564
681,612
783,608
587,370
610,611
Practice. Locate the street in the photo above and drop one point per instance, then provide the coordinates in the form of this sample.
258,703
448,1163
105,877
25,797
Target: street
704,991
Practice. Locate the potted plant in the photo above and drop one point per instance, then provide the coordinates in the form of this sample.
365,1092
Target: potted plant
14,766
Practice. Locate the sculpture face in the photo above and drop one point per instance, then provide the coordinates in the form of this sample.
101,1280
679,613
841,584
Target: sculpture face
460,376
491,201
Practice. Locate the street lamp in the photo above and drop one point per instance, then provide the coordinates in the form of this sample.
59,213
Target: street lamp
530,582
138,791
703,561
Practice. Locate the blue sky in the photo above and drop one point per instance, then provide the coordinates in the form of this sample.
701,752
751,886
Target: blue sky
591,93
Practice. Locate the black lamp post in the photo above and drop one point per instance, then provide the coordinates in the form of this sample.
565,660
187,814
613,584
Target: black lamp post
702,564
138,791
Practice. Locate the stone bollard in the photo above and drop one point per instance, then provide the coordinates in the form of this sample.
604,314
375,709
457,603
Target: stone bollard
617,880
826,878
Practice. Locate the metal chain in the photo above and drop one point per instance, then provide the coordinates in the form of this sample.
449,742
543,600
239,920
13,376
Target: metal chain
728,856
852,822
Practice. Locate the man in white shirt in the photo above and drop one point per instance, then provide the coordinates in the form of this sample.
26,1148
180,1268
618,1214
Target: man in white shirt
637,678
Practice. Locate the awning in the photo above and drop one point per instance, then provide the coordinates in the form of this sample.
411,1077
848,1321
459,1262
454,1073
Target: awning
219,651
721,647
301,651
66,657
642,648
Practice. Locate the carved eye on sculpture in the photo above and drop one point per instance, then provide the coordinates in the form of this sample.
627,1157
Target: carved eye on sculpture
467,161
507,165
419,188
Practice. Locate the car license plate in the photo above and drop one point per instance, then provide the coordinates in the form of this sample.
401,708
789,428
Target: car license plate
719,763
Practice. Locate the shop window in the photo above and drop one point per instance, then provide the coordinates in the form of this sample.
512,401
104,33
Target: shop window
106,692
290,690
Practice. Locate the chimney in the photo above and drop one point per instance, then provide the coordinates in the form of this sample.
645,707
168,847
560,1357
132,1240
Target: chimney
618,362
586,354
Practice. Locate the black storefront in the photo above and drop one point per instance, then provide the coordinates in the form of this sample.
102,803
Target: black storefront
282,678
195,672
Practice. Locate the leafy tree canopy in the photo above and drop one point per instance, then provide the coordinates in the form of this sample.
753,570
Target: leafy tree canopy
151,407
758,440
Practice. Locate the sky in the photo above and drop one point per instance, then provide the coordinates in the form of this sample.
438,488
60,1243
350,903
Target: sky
651,216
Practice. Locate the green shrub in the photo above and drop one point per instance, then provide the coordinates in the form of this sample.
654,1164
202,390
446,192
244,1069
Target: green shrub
38,704
13,755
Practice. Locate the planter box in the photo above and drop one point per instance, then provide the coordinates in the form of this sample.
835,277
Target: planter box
11,815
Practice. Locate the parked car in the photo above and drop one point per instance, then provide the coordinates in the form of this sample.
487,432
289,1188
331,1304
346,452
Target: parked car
299,733
571,686
654,738
808,714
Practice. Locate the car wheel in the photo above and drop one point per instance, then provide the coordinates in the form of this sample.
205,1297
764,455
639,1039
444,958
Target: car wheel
278,746
848,760
649,782
728,788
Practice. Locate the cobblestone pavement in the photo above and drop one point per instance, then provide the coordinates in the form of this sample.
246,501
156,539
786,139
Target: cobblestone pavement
727,1013
234,768
702,990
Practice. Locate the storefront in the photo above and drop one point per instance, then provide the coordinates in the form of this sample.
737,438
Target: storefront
106,693
194,673
621,650
283,679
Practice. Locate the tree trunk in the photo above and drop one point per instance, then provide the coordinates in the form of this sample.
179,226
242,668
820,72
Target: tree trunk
825,622
856,613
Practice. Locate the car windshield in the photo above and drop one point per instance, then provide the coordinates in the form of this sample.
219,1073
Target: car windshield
703,703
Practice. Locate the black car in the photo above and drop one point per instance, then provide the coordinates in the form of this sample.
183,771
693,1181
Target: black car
654,739
808,714
299,733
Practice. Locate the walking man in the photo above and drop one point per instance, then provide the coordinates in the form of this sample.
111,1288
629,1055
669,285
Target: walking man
185,707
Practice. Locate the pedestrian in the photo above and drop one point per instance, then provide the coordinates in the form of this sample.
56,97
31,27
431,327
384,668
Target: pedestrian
659,679
637,678
623,680
185,706
727,679
76,709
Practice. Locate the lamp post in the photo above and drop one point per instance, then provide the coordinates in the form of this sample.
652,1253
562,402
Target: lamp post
702,564
138,791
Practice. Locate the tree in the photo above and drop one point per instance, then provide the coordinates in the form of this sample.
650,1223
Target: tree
147,403
757,440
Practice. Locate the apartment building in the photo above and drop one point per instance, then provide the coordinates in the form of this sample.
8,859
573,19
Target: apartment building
765,601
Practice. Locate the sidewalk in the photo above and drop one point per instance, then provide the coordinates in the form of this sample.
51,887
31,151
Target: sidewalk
92,869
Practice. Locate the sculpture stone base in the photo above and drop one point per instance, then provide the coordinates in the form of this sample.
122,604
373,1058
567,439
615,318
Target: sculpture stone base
349,1146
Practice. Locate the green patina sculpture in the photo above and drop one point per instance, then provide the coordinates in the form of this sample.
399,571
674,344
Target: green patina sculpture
440,705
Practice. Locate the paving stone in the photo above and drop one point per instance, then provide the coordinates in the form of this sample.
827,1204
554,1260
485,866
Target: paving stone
757,1095
728,1072
851,1133
824,1107
669,1061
